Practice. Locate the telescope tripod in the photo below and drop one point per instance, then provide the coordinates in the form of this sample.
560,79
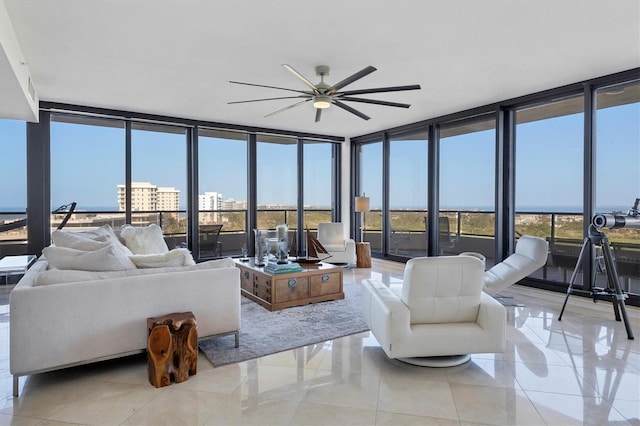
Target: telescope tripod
613,288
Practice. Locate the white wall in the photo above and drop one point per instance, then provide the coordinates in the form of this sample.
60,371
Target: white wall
15,102
346,186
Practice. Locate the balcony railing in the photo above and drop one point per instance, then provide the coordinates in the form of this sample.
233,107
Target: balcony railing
469,230
474,230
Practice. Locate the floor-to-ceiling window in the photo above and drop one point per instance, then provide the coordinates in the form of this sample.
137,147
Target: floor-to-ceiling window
13,187
549,176
87,165
318,182
132,167
369,223
408,175
617,184
159,179
548,162
466,218
277,181
222,192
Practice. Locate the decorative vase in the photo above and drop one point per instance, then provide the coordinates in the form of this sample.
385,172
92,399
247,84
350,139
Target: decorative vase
282,253
261,247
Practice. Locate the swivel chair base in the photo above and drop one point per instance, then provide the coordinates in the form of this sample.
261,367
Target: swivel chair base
437,361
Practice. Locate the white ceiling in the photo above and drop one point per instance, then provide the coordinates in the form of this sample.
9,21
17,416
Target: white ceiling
175,58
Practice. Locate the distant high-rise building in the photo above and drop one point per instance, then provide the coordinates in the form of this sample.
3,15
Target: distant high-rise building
168,198
231,204
210,201
148,197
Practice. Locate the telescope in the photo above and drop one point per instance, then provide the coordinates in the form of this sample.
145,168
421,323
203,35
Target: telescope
615,221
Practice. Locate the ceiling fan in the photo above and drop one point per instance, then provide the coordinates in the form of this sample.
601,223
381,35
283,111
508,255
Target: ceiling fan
324,95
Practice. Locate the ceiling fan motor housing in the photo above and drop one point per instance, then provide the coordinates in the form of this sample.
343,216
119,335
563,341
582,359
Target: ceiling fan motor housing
322,70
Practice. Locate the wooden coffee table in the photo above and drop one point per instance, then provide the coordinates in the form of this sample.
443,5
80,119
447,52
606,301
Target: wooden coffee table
313,284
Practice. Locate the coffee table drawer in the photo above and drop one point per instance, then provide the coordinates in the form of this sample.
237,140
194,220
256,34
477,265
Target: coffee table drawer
327,283
288,289
246,280
262,287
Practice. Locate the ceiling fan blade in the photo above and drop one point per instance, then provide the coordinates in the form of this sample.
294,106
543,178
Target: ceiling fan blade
272,87
268,99
301,77
357,76
351,110
374,101
381,90
318,114
287,107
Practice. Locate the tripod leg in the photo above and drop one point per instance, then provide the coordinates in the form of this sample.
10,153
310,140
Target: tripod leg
614,284
573,277
608,267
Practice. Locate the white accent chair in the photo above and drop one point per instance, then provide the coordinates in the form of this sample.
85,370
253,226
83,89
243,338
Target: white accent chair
441,311
331,236
530,255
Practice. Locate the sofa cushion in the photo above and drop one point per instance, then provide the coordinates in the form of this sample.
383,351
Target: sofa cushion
144,240
108,258
60,276
175,257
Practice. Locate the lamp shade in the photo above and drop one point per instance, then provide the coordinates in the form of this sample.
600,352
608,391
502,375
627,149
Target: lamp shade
362,204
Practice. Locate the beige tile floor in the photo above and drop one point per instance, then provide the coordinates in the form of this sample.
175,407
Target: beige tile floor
582,370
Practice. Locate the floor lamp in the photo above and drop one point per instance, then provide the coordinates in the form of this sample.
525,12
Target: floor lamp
362,205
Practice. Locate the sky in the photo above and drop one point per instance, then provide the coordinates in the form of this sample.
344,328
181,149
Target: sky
88,164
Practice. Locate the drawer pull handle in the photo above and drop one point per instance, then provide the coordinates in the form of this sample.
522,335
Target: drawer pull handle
292,282
246,274
325,278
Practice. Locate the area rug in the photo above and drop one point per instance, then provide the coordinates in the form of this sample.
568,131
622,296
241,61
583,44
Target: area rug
263,332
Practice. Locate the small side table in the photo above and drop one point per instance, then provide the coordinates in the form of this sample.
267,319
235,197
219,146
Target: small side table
363,255
172,348
14,265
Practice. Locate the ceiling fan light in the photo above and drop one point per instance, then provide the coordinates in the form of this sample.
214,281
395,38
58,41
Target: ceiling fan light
322,102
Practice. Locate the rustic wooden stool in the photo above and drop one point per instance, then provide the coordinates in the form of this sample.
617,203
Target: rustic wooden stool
363,255
172,348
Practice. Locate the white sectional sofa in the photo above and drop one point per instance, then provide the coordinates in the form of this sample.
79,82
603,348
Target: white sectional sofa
61,318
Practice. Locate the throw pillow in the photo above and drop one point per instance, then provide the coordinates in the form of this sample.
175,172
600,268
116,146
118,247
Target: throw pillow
175,257
108,258
83,240
98,232
78,242
144,240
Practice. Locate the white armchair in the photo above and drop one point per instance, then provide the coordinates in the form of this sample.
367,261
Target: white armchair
530,255
331,236
440,312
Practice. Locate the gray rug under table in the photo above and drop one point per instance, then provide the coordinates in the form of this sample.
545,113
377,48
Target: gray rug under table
263,332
